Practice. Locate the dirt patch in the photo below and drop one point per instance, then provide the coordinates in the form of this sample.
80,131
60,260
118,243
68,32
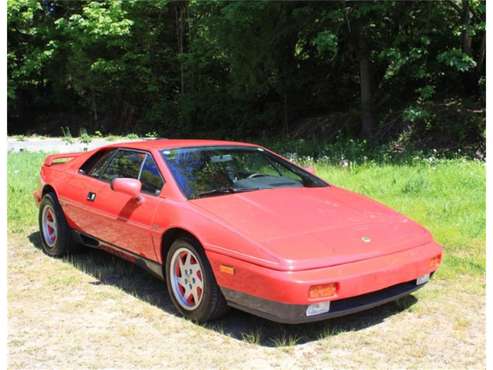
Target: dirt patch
93,310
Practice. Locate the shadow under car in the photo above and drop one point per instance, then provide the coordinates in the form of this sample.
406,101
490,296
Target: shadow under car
111,270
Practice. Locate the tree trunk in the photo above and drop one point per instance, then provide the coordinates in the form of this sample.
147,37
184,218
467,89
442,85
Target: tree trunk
466,22
480,67
482,54
367,121
180,9
285,111
470,80
94,108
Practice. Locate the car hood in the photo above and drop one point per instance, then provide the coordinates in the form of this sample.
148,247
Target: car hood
315,227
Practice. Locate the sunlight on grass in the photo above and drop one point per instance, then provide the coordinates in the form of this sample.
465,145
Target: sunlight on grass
23,179
285,340
446,196
252,337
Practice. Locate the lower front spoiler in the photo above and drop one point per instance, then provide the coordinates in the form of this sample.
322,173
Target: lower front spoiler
296,313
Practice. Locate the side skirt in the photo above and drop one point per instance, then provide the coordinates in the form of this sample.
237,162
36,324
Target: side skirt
153,267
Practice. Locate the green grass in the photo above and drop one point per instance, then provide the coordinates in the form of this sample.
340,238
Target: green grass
23,179
445,196
253,337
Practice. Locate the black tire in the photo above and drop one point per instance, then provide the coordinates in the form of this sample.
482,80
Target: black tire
212,305
63,242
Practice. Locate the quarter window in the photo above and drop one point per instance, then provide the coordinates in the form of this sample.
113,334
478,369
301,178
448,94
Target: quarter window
95,165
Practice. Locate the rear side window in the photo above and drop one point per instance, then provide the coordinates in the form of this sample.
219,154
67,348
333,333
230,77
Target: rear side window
97,162
150,177
124,163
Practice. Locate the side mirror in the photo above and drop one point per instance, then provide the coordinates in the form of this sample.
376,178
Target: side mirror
127,186
311,169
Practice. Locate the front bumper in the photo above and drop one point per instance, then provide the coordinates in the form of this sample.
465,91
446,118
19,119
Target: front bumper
283,296
296,314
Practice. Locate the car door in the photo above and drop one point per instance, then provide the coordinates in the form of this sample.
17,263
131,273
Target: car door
79,201
131,219
118,218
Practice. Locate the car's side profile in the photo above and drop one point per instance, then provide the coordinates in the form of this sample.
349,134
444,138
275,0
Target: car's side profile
233,224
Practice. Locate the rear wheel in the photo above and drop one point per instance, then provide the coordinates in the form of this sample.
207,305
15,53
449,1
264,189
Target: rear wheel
191,283
55,234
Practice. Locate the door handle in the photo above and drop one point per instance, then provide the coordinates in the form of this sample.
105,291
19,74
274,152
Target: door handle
91,196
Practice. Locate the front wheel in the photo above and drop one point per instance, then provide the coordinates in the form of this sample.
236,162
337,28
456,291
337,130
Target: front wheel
191,283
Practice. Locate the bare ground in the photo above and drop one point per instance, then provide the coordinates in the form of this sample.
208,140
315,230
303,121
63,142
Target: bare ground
57,144
92,310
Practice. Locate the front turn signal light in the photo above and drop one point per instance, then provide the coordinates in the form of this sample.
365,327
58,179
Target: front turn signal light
322,291
227,269
435,262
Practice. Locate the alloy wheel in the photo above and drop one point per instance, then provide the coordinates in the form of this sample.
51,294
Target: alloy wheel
186,278
50,231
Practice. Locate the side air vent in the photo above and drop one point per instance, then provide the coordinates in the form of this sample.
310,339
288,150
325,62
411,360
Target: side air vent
90,242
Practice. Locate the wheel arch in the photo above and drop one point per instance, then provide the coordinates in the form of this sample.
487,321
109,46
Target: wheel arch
48,189
170,236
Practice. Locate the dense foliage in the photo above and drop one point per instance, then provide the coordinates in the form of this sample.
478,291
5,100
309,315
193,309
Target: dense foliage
399,72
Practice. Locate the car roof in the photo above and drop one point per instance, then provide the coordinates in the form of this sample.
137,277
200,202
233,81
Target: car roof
176,143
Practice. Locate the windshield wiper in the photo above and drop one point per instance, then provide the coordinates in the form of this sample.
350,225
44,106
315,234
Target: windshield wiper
228,190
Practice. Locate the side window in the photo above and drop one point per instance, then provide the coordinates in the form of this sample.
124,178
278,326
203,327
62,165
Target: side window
151,179
125,163
97,162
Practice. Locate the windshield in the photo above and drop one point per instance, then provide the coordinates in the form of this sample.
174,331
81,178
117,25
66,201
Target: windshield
216,170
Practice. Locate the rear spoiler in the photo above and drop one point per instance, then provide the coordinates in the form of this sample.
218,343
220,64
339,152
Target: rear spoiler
59,158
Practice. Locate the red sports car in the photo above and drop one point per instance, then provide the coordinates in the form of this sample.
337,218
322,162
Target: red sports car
233,224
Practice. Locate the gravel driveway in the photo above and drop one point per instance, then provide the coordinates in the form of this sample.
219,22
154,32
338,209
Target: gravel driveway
56,144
